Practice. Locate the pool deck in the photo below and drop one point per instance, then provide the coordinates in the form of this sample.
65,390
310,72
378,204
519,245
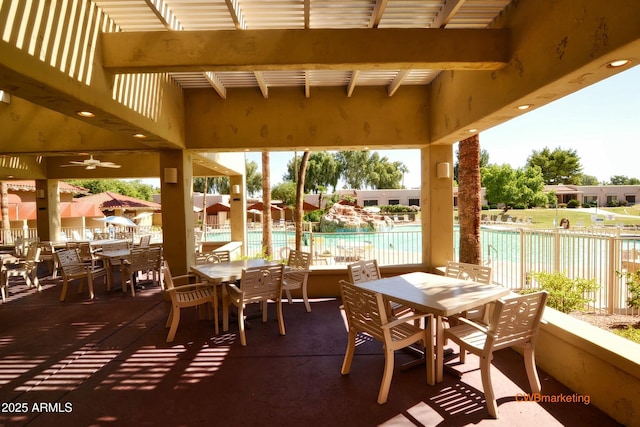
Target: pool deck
106,363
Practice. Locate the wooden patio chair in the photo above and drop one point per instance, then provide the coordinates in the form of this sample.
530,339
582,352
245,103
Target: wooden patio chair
366,312
296,275
258,285
72,268
514,322
26,268
187,295
364,271
476,273
46,255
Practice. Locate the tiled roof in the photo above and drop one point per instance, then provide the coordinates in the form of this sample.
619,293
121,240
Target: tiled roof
109,200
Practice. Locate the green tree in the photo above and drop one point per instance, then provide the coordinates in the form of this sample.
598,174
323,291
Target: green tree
355,168
513,187
623,180
135,188
285,191
323,170
253,177
386,174
588,180
558,166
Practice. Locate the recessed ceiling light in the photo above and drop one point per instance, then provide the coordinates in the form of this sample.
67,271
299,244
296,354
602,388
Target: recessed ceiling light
618,63
85,114
139,135
472,130
524,106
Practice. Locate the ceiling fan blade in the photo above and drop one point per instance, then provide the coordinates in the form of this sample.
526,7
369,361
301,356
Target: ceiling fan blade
76,164
82,163
108,165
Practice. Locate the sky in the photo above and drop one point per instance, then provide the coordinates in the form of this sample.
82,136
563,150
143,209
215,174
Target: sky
598,122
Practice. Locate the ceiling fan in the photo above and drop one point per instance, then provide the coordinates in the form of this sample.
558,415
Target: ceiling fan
92,163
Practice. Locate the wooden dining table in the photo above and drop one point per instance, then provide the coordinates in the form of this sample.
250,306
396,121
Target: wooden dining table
111,259
222,273
438,295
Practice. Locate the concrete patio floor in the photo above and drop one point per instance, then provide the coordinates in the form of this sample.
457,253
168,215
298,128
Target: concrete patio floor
106,363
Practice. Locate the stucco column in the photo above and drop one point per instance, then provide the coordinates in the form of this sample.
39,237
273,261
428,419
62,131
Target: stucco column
176,186
437,206
48,222
238,214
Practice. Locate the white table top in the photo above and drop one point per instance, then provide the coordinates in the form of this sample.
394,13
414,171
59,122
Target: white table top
432,293
227,271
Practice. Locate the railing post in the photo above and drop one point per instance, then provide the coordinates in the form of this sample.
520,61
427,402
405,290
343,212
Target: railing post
523,248
556,249
611,279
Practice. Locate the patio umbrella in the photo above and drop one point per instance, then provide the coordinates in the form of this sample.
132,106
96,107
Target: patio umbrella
118,220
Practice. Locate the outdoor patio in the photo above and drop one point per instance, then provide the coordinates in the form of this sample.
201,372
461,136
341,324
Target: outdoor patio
105,362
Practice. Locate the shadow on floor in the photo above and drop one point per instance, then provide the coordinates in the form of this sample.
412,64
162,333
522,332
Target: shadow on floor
106,363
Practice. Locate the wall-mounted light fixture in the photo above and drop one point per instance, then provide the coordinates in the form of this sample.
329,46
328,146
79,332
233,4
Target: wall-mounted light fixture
170,175
235,193
40,194
443,170
4,97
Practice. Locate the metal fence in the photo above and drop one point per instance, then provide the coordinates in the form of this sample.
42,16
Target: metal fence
513,253
589,253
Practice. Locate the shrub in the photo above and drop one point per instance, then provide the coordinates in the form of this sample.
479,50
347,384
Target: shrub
573,203
565,294
633,284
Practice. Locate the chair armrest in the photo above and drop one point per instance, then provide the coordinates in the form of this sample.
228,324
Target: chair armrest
190,287
402,320
475,325
185,279
297,275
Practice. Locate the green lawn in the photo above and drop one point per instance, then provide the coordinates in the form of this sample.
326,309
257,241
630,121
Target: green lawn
544,218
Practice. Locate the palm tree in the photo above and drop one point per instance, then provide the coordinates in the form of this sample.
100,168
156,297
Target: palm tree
267,224
469,202
299,209
4,201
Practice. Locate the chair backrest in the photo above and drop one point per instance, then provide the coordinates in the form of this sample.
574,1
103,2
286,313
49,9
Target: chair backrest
115,246
167,278
222,256
299,260
260,283
46,250
70,262
474,272
32,258
365,309
138,259
515,320
84,250
363,271
145,240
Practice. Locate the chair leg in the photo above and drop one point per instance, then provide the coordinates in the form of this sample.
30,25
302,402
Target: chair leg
386,376
65,286
348,355
530,366
428,351
175,320
280,317
264,304
214,303
168,322
243,338
489,396
288,292
305,298
90,285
